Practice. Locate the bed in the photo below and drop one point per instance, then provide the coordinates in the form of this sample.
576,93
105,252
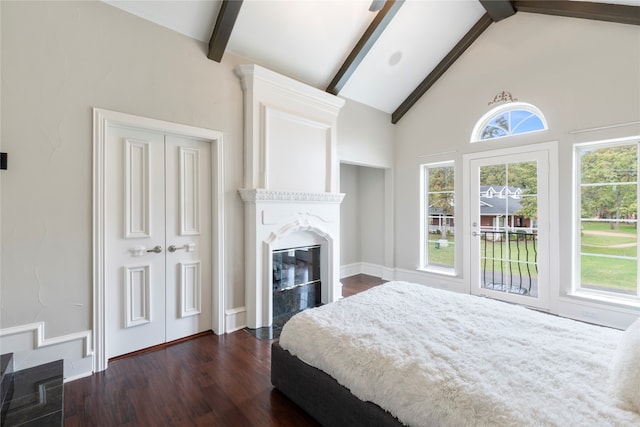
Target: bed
407,354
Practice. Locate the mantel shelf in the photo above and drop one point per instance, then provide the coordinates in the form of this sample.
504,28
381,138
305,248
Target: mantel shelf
264,195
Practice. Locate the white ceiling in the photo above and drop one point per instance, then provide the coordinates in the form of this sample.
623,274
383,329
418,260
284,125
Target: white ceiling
309,40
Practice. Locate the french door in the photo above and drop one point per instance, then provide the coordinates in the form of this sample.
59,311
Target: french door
509,226
158,280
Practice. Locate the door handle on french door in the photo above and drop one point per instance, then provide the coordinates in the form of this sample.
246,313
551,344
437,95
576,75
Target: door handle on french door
141,250
189,247
474,234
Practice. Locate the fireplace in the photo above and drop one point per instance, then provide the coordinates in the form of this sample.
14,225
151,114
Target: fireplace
280,221
296,280
290,189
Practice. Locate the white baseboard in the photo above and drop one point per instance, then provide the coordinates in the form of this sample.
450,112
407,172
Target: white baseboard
368,268
371,269
30,348
439,281
388,273
348,270
236,319
596,312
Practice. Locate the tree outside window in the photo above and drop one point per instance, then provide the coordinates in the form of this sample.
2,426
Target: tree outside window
439,241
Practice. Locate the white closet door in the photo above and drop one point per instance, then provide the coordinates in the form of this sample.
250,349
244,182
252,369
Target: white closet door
158,282
188,213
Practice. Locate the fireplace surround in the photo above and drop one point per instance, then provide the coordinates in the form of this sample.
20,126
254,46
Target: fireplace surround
291,182
282,220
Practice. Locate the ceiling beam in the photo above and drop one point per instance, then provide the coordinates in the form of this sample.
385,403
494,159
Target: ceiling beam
466,41
498,9
619,13
366,42
225,21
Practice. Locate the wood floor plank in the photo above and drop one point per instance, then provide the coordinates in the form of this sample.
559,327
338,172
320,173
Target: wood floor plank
211,380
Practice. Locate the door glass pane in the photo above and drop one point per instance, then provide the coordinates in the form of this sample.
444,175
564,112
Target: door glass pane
508,228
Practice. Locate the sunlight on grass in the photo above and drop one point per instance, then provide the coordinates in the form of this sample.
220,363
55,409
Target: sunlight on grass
609,273
443,255
617,274
606,226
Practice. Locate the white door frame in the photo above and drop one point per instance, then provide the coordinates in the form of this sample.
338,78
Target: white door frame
554,213
102,119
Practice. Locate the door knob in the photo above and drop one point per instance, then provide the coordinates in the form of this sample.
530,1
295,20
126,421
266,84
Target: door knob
189,247
474,234
157,249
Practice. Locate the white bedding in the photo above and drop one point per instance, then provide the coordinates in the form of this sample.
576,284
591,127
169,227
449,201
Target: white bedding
433,357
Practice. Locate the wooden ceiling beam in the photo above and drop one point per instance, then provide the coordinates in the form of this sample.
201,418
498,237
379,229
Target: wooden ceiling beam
498,9
225,21
619,13
366,42
478,28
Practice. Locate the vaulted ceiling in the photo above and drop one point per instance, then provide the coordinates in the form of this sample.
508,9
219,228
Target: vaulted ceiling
384,54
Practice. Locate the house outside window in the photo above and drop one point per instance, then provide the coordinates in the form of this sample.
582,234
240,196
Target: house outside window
607,227
438,207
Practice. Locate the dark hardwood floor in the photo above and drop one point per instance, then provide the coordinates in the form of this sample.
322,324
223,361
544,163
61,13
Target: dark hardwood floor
358,283
210,380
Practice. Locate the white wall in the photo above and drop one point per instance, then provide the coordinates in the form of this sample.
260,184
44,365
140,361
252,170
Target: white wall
580,73
365,136
372,215
60,59
349,215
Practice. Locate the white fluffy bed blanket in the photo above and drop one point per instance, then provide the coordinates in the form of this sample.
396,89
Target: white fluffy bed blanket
432,357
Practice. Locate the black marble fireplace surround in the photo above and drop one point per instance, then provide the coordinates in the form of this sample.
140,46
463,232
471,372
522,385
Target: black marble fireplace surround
296,286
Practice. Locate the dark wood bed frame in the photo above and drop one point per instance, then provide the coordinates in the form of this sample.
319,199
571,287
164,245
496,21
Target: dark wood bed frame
321,396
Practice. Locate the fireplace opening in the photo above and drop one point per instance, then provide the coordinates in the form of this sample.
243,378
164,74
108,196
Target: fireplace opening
296,281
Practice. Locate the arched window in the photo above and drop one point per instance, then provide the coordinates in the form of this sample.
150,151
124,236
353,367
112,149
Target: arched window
512,118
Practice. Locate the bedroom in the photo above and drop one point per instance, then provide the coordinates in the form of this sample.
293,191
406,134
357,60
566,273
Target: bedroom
59,61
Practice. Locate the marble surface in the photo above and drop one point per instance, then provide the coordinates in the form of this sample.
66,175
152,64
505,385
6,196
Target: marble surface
37,398
286,304
290,301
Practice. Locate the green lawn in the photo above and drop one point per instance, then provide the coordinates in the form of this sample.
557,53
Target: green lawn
605,226
602,272
609,273
444,255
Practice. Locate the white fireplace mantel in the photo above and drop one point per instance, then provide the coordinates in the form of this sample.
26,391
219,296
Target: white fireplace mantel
281,220
262,195
290,182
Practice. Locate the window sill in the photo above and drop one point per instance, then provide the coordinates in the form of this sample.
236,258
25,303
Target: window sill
604,299
436,270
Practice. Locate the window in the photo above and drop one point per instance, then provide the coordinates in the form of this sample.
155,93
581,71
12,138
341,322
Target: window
438,201
607,208
509,119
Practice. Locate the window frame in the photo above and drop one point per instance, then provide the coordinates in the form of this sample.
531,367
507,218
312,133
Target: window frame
576,276
476,135
424,264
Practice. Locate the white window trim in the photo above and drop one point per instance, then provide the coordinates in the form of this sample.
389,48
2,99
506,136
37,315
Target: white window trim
600,297
424,214
489,115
